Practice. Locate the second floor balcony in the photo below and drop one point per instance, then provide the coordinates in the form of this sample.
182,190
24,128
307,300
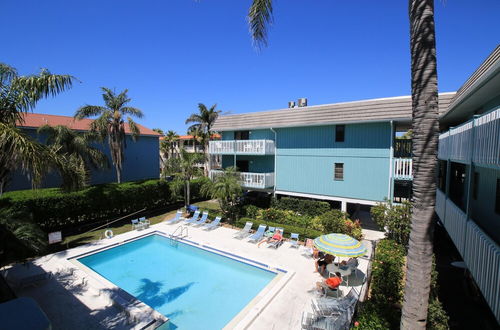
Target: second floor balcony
242,147
250,179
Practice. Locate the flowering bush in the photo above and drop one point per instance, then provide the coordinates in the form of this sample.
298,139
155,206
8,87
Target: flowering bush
336,221
395,219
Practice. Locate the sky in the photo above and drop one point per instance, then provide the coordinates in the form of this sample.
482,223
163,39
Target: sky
173,54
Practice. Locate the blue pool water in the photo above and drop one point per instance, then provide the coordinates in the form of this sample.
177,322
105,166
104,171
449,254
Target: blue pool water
194,288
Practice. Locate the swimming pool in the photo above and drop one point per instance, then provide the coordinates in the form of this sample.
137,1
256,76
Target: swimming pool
194,288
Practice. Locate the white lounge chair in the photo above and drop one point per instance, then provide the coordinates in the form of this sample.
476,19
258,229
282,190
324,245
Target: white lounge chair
194,218
245,231
212,225
136,224
294,240
145,222
308,248
178,217
258,234
203,219
277,243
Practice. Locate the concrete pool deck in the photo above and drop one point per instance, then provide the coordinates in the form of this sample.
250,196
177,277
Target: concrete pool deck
73,299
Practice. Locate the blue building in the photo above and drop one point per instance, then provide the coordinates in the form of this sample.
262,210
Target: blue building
141,157
343,152
468,194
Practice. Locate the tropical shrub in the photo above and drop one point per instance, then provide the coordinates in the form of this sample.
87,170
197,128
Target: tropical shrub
301,206
250,211
395,219
227,190
288,229
53,209
336,221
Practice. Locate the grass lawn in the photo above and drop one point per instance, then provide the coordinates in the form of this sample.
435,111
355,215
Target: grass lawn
120,228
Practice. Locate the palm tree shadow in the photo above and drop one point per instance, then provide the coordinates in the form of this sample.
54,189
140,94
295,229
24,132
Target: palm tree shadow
151,292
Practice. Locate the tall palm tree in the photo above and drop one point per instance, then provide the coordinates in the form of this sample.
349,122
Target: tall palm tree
203,121
188,171
171,138
77,147
111,123
19,95
425,139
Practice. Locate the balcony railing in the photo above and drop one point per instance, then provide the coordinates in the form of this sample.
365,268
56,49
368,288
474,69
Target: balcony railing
250,180
403,169
242,147
476,139
480,253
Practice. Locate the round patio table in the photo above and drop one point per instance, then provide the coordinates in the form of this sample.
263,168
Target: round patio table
334,268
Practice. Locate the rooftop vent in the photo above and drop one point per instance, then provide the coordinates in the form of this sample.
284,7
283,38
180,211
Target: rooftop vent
291,104
302,102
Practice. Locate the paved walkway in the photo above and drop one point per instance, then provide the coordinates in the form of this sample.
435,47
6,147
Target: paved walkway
72,300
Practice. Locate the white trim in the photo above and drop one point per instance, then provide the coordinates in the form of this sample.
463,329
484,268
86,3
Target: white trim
391,150
330,198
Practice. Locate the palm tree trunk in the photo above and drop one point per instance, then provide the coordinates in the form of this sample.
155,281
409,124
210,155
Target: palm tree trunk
118,174
425,138
188,193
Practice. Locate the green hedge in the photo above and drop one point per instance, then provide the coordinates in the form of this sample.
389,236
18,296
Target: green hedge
303,206
53,209
288,229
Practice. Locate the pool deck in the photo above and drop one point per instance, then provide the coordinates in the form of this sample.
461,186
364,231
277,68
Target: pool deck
74,300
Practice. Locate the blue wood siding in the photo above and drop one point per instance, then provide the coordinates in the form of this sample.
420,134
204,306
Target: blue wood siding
483,207
257,134
141,162
256,164
306,158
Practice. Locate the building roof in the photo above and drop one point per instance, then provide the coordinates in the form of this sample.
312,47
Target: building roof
376,110
35,120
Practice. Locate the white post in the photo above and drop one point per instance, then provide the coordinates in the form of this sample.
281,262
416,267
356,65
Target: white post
343,206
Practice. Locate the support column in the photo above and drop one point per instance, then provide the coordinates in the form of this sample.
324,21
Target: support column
343,206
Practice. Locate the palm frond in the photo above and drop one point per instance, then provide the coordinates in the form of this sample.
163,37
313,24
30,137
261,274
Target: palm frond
7,73
89,111
132,111
260,16
133,128
194,118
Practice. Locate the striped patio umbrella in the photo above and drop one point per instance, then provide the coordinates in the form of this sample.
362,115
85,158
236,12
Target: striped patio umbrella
340,245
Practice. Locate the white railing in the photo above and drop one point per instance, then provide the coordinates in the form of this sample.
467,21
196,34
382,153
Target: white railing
455,220
487,138
440,205
482,257
403,169
478,139
250,179
243,147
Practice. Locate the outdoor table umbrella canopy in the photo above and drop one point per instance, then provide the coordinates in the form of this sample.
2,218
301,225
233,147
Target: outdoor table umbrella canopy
340,245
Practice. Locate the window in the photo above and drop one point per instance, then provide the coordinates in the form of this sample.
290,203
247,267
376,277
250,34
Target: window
475,185
442,175
339,172
241,135
457,185
497,200
339,133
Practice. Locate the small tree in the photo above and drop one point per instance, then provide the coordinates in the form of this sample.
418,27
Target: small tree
187,171
227,190
395,219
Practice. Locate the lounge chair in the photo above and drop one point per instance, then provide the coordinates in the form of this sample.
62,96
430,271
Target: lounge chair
136,224
308,248
245,231
258,234
212,225
294,240
203,219
178,217
145,222
277,243
194,218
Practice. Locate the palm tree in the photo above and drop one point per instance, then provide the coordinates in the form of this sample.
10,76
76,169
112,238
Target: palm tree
188,171
78,150
425,139
171,138
111,124
203,121
227,190
19,95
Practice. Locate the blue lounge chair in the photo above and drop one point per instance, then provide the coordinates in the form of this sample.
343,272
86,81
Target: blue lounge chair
276,244
258,234
202,220
294,240
212,225
194,218
145,222
136,224
245,231
178,217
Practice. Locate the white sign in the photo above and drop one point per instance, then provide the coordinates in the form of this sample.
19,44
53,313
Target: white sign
55,237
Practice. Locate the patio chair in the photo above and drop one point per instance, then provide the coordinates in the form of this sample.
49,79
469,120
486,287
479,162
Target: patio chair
258,234
136,224
318,322
203,219
212,225
294,240
308,251
277,243
178,217
245,231
145,222
194,218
